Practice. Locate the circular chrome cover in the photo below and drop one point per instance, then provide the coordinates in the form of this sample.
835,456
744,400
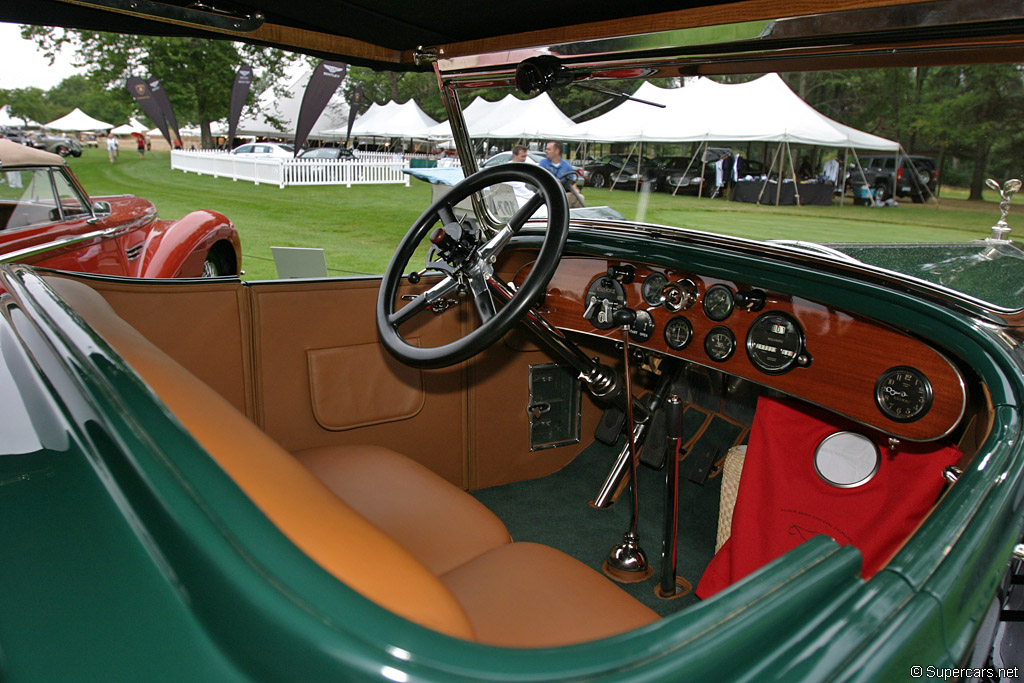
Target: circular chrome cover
846,459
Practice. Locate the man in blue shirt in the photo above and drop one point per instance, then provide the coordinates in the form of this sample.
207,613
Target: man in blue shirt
560,169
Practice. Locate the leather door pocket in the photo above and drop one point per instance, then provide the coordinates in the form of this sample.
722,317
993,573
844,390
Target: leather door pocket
361,385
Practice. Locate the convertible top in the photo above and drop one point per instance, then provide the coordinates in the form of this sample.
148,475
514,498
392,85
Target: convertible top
411,34
13,154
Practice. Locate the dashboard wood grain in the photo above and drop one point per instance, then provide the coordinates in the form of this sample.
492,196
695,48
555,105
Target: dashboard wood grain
847,353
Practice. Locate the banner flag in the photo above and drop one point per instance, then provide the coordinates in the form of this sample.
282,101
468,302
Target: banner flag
321,88
139,89
156,88
239,92
353,110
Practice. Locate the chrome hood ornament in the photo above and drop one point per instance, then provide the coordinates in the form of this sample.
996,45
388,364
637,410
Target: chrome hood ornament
1001,229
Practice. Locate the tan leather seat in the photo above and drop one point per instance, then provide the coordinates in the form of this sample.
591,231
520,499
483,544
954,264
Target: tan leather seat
531,595
513,594
441,525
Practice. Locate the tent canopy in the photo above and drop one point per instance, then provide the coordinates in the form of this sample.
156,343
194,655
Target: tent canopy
78,120
391,120
515,118
133,126
477,109
762,110
286,110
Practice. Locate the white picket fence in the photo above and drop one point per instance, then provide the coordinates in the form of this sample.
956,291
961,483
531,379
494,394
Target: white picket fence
368,168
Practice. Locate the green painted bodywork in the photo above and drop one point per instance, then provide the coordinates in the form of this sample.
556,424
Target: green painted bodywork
129,554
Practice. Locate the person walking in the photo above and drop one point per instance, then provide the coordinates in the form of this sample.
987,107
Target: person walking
112,148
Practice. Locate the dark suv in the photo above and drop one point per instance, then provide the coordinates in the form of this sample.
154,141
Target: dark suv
916,177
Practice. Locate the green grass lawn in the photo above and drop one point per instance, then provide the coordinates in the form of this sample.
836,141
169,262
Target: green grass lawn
360,226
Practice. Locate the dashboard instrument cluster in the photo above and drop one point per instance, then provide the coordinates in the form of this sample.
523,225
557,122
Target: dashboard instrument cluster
848,363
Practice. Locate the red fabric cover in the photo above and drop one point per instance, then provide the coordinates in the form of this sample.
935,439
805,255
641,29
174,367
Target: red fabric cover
782,501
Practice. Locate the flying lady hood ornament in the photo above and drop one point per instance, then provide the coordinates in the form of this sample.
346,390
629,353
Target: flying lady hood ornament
1001,229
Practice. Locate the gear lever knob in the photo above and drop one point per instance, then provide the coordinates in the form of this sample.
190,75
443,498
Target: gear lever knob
624,317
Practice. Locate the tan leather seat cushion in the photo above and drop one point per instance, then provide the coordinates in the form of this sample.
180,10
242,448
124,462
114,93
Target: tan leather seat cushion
440,524
530,595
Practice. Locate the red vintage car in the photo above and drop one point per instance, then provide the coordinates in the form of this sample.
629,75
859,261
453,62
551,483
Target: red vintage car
47,219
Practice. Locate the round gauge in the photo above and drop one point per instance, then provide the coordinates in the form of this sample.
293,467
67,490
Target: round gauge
604,295
678,333
718,303
642,328
651,291
903,393
774,343
720,344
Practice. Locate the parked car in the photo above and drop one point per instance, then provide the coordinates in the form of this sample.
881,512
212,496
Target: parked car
16,135
598,172
48,219
236,481
266,150
891,175
628,176
505,157
327,153
59,144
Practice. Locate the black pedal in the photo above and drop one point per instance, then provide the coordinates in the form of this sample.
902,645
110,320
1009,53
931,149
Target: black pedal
703,461
609,429
653,452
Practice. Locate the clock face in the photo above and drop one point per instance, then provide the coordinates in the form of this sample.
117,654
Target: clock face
903,394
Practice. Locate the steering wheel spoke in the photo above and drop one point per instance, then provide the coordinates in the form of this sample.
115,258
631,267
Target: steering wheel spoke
422,301
523,214
482,297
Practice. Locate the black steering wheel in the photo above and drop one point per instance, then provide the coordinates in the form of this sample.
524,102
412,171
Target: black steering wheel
466,258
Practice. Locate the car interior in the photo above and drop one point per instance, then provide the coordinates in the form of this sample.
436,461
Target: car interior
535,437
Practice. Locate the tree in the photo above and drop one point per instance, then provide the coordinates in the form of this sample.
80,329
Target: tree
196,73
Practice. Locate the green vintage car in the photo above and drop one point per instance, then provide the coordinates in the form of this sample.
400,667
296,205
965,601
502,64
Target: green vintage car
554,450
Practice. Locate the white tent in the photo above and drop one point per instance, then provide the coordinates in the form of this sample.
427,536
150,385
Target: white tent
9,121
762,110
286,110
391,120
515,118
78,120
476,110
133,126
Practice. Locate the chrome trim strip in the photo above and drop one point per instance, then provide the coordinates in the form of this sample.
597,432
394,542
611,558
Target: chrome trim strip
57,244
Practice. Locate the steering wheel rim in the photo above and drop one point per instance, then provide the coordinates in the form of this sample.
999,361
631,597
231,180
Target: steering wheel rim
474,268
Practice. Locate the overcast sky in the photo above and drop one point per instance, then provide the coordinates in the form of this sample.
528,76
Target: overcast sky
22,65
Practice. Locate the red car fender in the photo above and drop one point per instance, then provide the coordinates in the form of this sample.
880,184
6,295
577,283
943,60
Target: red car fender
179,248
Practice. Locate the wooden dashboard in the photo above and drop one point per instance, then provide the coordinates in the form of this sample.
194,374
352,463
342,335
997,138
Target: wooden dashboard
838,360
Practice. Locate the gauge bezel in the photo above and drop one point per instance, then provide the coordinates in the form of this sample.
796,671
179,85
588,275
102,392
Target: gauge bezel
929,394
794,361
672,321
658,297
732,303
714,330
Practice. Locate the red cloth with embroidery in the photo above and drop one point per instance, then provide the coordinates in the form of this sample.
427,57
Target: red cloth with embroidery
782,501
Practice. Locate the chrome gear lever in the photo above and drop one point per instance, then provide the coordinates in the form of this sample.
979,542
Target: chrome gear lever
627,562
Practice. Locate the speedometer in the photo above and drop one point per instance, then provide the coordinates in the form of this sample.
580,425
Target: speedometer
775,343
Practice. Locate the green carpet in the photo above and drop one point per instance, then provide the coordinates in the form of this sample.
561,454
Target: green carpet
555,511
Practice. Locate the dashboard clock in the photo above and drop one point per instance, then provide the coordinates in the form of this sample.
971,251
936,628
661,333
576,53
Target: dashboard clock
903,394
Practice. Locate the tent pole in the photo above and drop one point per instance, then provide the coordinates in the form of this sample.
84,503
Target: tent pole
863,175
796,181
611,184
702,153
782,169
842,177
674,191
769,175
917,176
639,169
